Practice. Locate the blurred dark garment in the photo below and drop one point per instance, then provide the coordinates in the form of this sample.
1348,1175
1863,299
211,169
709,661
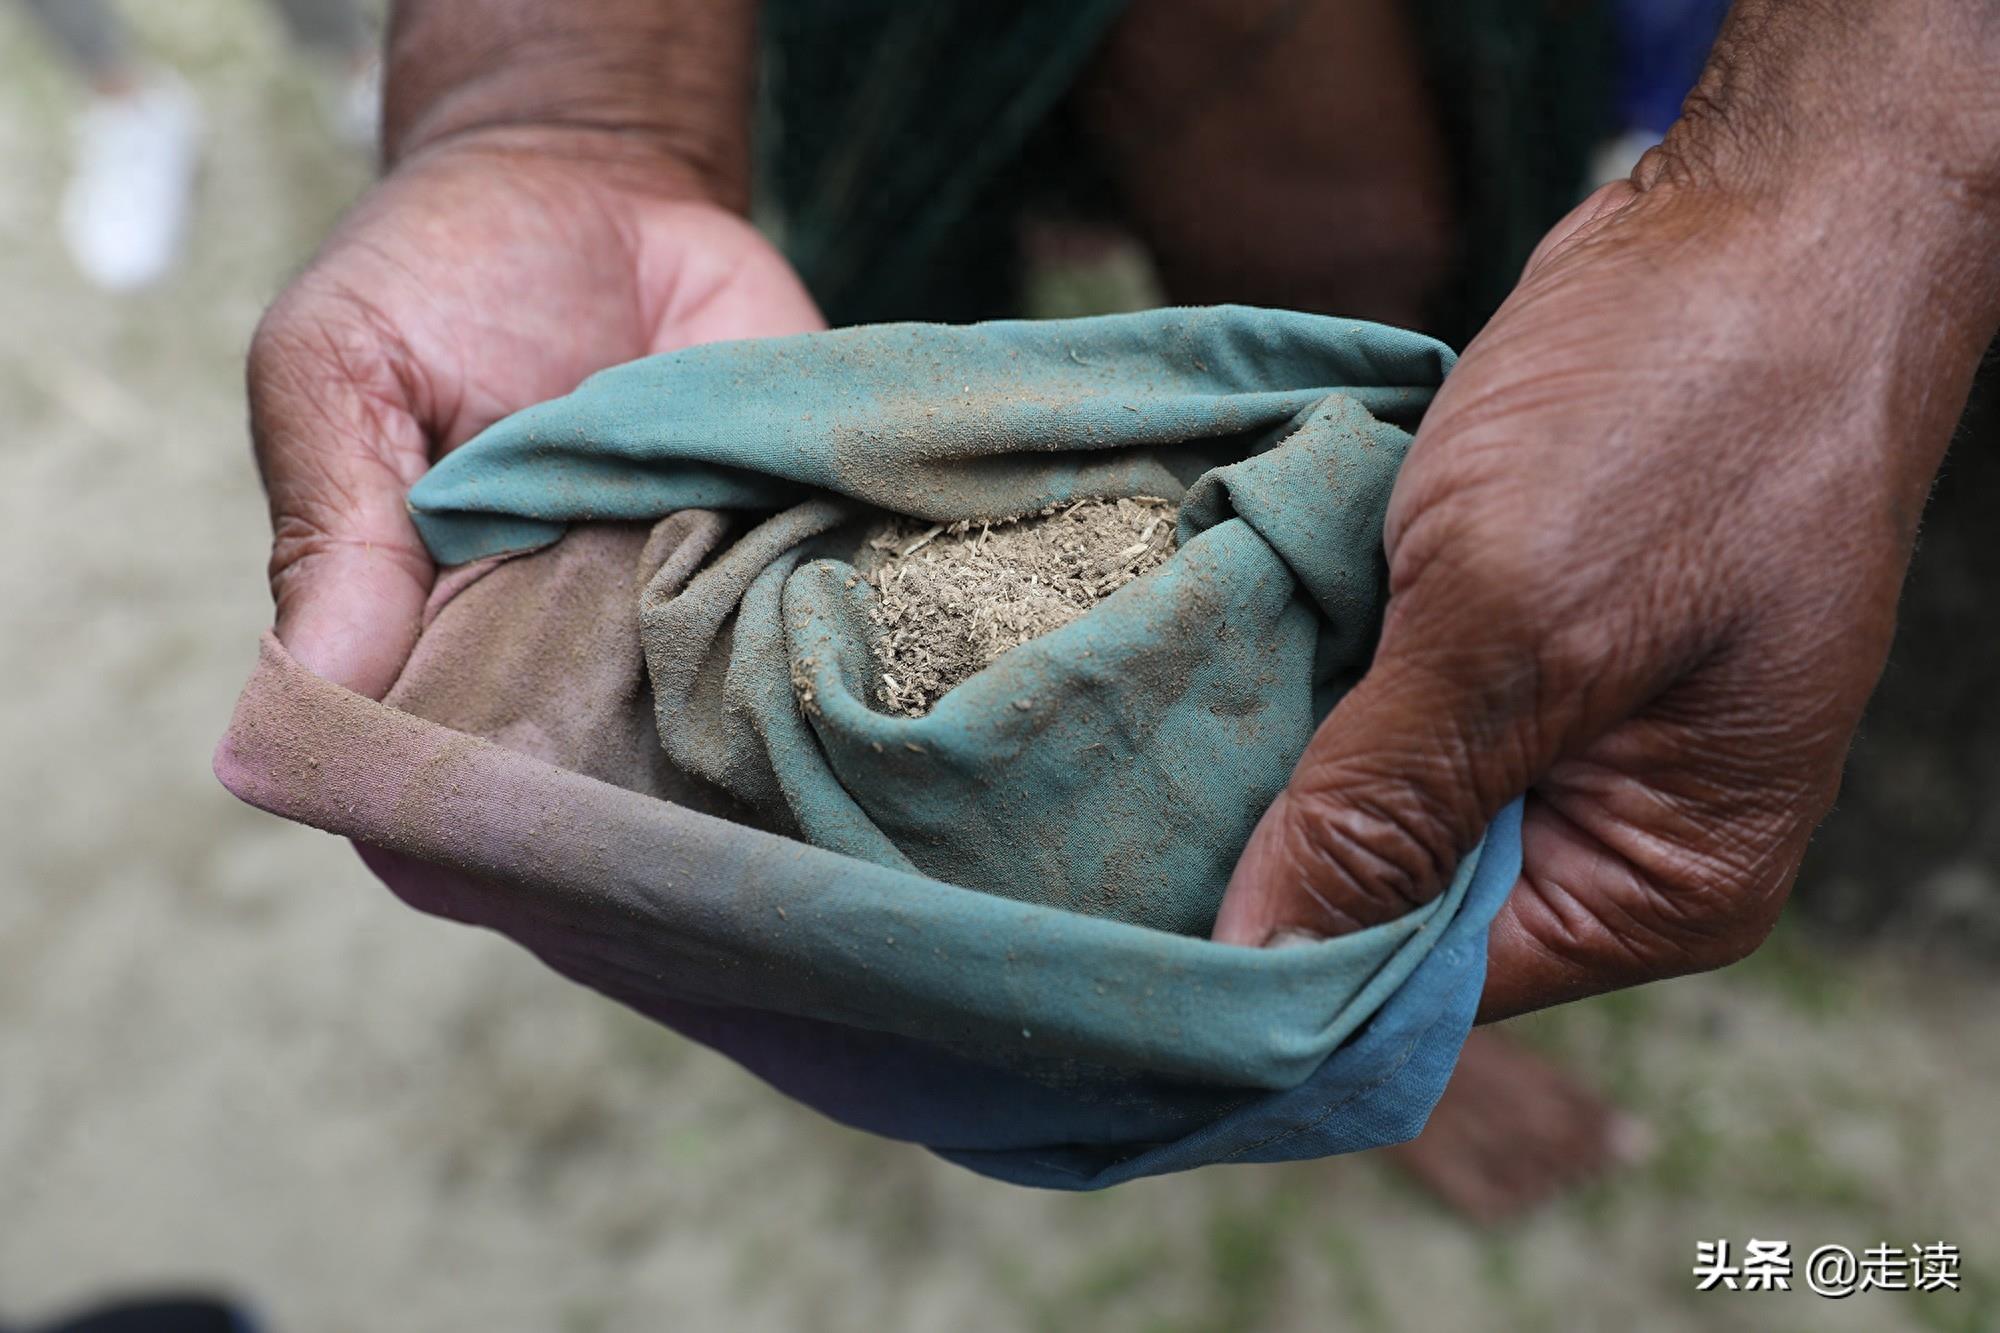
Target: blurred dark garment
1525,93
176,1314
892,144
898,143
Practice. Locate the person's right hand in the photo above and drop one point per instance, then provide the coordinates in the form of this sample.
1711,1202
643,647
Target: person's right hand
1643,561
484,274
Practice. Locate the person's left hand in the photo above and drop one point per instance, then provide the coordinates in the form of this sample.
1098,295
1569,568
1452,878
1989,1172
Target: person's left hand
1643,559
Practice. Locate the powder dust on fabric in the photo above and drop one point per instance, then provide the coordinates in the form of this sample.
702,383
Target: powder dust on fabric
952,598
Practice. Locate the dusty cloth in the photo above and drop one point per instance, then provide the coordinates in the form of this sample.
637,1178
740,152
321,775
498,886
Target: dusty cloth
981,928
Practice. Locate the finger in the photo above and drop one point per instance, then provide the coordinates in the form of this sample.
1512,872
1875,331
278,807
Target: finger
1395,787
1600,204
1584,920
339,447
722,281
1549,943
1667,847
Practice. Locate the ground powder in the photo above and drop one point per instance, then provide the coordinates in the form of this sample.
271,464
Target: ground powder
952,598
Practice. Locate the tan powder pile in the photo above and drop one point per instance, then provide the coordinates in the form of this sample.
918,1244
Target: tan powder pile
953,598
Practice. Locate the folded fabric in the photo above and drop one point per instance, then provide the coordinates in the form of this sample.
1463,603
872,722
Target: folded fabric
982,929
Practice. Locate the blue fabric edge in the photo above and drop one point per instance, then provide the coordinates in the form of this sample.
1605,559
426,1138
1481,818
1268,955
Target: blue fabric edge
1402,1058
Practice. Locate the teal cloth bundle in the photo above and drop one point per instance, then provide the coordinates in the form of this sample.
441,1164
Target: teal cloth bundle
1024,876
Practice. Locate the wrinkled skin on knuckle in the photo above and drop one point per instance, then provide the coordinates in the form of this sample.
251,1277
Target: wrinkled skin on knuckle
1670,845
1704,912
1378,849
1617,900
1606,941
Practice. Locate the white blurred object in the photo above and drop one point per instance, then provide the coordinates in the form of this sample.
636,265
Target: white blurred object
125,212
353,105
1616,157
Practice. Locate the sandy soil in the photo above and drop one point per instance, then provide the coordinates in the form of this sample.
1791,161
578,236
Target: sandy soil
228,1058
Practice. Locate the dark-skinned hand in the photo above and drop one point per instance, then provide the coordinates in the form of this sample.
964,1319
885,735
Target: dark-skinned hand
1643,561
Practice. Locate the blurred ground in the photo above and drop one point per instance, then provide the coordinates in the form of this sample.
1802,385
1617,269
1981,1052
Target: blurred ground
227,1057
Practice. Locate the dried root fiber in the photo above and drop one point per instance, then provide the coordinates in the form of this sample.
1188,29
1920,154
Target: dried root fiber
952,598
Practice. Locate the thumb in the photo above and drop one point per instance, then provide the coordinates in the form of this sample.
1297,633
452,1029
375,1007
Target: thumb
1398,783
338,452
1597,207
